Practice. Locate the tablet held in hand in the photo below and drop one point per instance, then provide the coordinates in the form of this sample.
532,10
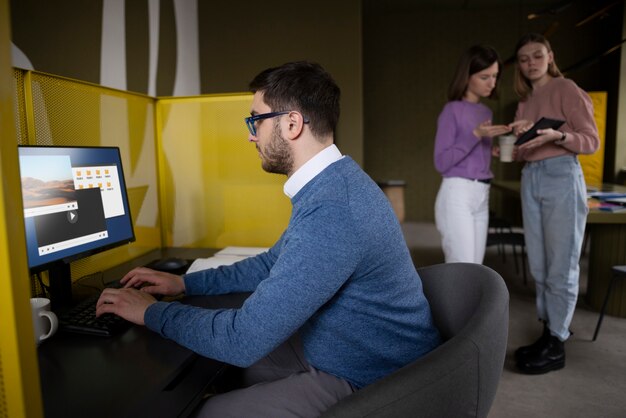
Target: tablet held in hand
543,123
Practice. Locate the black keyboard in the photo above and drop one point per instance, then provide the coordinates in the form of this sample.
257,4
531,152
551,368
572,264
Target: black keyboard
82,319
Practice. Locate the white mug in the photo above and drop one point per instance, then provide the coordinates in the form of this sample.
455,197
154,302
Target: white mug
45,322
507,143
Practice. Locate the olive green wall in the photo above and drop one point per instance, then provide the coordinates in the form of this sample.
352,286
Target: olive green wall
410,54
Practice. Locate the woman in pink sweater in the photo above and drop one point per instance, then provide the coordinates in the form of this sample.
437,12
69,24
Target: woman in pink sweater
553,194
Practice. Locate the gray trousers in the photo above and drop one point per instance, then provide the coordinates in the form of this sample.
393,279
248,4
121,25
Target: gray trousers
282,384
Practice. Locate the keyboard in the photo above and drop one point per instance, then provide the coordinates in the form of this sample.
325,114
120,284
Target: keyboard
82,319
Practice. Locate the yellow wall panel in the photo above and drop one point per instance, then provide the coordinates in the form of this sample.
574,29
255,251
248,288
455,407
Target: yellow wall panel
214,191
593,164
19,377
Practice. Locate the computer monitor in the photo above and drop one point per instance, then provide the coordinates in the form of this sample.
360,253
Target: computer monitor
75,205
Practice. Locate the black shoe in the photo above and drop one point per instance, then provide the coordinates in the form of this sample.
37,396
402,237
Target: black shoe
525,351
551,357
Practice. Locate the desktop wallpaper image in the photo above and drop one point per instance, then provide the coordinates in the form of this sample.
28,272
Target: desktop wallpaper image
45,184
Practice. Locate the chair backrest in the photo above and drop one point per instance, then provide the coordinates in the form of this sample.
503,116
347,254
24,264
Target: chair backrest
470,306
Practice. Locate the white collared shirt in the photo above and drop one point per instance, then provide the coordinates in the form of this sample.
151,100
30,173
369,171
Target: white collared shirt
310,169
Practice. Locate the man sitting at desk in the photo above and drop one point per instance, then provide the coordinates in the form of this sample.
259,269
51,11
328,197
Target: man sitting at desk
336,303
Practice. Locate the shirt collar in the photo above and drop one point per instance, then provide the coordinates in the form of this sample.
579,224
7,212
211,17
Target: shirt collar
310,169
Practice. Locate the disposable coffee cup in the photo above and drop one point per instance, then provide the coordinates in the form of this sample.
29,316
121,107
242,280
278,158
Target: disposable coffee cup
507,142
45,322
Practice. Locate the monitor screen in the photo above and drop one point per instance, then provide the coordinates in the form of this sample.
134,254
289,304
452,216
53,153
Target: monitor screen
75,205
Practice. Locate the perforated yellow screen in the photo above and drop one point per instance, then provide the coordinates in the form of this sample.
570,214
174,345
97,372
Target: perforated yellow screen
19,106
193,179
214,191
69,112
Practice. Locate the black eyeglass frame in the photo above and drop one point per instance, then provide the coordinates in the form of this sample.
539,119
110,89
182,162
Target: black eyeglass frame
251,120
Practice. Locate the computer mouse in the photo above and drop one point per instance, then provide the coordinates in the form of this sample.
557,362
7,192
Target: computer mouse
169,264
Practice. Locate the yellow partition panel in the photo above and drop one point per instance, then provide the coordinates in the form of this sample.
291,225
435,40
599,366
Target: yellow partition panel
214,192
19,106
67,112
209,183
593,164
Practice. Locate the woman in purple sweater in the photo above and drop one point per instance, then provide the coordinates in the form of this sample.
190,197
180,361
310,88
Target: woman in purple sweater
553,191
463,156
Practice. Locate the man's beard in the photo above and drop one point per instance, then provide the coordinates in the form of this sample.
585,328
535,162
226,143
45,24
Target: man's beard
276,156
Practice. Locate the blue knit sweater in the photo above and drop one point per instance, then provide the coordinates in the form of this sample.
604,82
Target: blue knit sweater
341,274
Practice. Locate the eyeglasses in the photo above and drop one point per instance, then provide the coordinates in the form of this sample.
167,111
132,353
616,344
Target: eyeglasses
251,120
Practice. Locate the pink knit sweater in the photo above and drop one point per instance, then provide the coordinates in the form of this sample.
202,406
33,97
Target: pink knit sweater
561,99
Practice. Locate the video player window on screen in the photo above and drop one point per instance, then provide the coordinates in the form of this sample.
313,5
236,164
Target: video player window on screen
75,203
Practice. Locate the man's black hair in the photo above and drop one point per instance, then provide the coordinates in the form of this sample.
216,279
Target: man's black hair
305,87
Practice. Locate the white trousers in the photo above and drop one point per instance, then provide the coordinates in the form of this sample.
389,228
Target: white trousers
462,218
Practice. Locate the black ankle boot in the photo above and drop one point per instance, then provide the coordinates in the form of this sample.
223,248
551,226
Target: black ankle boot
551,357
523,352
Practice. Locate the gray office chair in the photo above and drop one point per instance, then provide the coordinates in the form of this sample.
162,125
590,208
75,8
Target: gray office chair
470,305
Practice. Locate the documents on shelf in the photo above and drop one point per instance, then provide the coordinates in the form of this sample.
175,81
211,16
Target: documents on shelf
611,205
617,200
600,195
225,257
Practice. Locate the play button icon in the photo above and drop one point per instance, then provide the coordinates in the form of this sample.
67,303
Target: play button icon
72,216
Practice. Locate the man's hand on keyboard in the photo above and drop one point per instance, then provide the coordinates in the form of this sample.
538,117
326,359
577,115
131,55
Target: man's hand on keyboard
154,282
130,304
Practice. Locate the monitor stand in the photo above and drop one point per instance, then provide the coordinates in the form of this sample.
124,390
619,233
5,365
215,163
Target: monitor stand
60,276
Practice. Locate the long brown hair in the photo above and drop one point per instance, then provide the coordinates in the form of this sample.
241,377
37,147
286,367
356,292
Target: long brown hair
521,84
475,59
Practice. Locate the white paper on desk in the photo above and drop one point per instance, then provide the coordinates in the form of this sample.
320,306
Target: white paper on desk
213,262
225,257
241,251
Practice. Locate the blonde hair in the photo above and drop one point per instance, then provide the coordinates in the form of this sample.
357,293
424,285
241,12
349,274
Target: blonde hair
521,84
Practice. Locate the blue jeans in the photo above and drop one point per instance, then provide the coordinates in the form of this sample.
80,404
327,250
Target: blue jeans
554,208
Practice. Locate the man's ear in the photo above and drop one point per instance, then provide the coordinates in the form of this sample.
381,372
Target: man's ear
295,125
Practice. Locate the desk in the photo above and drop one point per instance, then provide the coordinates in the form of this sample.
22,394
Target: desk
607,247
134,374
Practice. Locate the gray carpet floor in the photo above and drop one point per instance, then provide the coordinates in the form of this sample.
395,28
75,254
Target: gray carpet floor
593,382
